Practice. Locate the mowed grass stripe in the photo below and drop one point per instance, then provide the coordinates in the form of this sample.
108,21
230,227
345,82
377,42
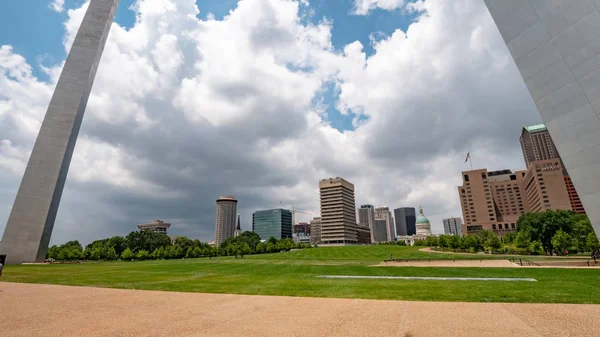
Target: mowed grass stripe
290,274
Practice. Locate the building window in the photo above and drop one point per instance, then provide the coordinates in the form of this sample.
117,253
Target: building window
466,177
512,225
493,226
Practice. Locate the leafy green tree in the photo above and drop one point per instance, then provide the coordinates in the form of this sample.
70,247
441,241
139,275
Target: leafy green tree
471,243
146,240
535,248
544,225
509,237
127,254
53,252
272,240
96,253
561,241
492,242
581,230
523,240
270,247
189,254
453,241
261,248
143,255
443,241
197,252
592,242
246,249
184,243
431,241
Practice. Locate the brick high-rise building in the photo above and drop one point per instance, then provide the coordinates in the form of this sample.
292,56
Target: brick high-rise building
491,200
338,214
576,203
225,219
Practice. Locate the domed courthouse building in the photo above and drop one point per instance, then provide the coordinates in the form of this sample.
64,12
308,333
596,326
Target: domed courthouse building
422,224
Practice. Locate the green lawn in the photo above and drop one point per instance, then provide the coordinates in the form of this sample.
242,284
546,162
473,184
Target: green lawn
293,275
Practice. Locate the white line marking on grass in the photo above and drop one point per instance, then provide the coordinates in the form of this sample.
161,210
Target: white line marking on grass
427,278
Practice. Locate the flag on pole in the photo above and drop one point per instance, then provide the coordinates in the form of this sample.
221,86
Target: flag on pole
468,157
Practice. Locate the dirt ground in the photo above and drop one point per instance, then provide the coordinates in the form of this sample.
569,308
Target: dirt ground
450,263
50,310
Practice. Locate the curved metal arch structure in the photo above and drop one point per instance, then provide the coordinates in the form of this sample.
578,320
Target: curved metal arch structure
31,220
556,47
555,44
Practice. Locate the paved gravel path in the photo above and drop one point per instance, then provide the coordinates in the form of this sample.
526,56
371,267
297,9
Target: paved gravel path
50,310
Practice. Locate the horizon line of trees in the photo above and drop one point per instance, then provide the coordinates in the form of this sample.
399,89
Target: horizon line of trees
541,233
147,245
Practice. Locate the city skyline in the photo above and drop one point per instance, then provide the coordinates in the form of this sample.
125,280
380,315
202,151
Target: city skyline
154,151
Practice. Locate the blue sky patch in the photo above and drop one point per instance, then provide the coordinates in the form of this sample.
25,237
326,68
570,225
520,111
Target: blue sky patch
40,40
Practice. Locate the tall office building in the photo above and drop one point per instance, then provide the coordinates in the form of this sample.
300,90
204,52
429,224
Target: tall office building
555,47
405,221
383,213
453,226
315,230
338,214
31,221
225,219
537,144
545,186
366,219
380,233
491,200
275,223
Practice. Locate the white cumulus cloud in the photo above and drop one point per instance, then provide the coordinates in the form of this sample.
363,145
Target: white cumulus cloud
57,5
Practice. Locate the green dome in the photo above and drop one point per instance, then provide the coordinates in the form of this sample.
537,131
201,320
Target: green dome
421,218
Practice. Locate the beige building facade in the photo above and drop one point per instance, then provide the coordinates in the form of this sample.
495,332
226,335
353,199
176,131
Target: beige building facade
491,200
315,230
495,200
225,219
545,186
338,214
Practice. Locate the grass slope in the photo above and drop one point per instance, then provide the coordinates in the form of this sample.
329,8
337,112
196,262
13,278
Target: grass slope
293,275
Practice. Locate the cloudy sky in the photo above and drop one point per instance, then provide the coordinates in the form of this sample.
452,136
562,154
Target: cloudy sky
261,99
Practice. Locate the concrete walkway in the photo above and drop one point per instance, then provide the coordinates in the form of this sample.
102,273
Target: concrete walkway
49,310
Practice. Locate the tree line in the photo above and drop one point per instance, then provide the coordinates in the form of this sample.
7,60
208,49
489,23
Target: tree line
553,231
147,245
